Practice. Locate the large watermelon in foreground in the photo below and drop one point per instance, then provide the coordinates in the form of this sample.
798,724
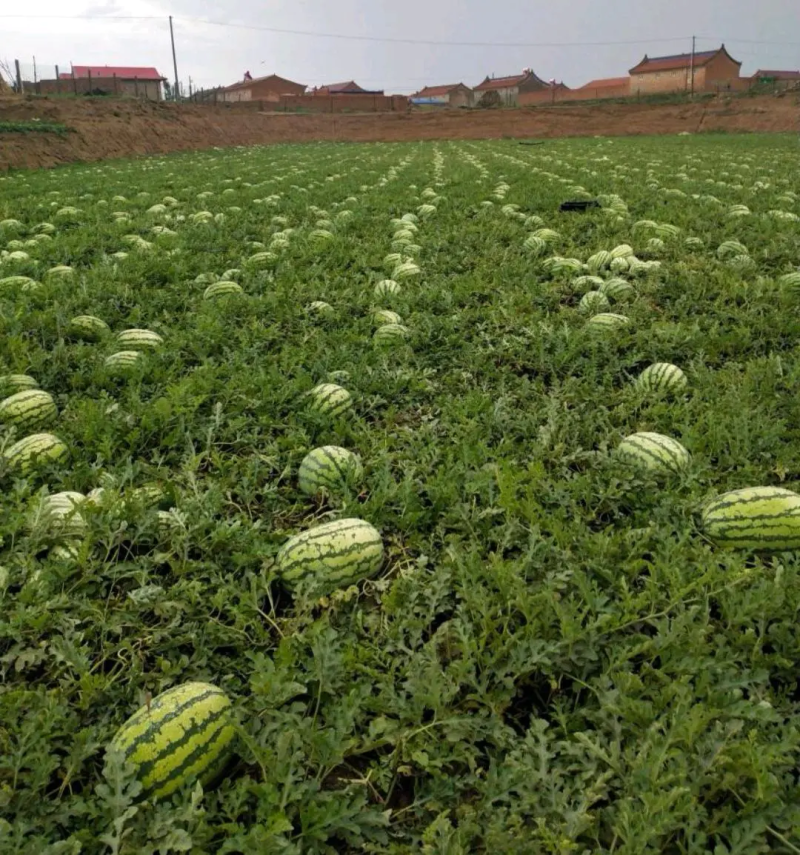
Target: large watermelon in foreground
35,450
330,556
183,735
766,518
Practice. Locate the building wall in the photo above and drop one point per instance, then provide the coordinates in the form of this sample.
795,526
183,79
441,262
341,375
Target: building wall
338,103
262,90
673,80
720,70
148,89
561,95
461,98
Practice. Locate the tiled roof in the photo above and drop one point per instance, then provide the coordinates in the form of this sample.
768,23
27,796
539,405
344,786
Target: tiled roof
606,82
244,84
779,75
501,82
433,91
671,63
126,72
347,86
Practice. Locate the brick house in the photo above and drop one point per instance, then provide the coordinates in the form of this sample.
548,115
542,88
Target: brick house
762,76
449,95
269,88
510,88
349,87
136,81
713,69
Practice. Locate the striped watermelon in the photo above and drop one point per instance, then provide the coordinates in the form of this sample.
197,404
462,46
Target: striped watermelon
320,308
29,410
328,399
11,383
328,469
58,515
390,334
36,450
791,280
68,551
88,327
607,321
139,339
599,260
386,288
617,289
182,735
653,452
340,376
662,377
624,250
594,302
765,518
222,288
123,362
386,316
330,556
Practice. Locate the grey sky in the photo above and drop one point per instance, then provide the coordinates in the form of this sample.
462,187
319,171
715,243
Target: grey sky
220,54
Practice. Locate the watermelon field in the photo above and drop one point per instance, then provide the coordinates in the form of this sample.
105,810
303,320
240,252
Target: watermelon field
358,499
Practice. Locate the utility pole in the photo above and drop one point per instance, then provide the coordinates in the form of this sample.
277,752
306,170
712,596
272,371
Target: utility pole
174,60
691,73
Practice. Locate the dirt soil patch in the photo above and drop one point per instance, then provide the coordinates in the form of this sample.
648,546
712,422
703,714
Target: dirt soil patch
108,129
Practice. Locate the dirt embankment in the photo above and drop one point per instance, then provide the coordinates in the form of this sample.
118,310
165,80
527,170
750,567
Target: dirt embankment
107,129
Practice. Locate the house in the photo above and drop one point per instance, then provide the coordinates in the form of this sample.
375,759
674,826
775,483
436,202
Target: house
449,95
606,87
137,81
508,89
711,69
349,87
762,76
269,88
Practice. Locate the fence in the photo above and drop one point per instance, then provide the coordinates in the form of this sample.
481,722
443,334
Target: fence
308,103
563,95
33,79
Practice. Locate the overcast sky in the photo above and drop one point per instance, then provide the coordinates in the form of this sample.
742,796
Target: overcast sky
761,33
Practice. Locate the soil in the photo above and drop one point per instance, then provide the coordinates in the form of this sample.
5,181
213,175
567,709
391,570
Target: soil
104,129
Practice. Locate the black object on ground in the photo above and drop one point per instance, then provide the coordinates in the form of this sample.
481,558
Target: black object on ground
579,205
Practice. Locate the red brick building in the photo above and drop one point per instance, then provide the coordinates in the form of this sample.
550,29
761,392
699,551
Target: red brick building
713,69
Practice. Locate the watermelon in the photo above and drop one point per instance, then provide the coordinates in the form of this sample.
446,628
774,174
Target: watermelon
328,469
182,735
58,515
617,289
386,288
11,383
766,518
386,316
624,250
88,327
68,551
653,452
330,556
662,377
35,450
328,399
607,321
123,362
405,270
340,376
599,260
222,288
791,280
28,410
140,339
320,308
390,334
594,302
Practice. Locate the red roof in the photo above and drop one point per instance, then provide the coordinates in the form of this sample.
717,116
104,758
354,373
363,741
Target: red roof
126,72
678,61
433,91
606,83
778,75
